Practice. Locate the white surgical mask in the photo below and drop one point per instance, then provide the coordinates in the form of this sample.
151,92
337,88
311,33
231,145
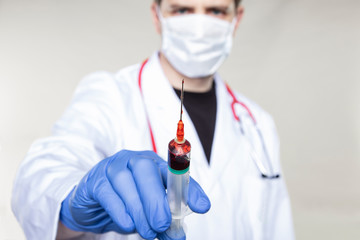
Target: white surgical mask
196,44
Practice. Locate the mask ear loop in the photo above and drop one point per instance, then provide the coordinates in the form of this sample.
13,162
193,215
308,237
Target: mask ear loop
232,26
160,16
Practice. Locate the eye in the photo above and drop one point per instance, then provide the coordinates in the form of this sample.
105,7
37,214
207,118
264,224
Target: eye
217,12
181,11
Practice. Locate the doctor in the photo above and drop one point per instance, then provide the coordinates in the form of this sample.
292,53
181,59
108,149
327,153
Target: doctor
100,175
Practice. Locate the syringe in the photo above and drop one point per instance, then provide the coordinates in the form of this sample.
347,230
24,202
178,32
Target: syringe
178,178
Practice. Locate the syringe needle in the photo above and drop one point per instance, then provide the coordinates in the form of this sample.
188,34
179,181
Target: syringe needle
182,98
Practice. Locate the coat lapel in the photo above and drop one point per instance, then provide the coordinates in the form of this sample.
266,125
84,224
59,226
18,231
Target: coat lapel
227,148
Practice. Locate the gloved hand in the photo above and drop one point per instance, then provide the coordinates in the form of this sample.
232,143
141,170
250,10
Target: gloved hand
126,193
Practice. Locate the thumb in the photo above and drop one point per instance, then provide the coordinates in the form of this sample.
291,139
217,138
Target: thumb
198,201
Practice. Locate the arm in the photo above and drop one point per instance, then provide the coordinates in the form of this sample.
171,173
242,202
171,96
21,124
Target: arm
64,233
54,165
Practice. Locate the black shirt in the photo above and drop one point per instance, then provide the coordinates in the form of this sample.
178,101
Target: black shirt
201,108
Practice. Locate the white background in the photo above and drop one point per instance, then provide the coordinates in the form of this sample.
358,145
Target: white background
299,59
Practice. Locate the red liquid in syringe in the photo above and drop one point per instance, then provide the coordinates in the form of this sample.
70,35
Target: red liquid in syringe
179,155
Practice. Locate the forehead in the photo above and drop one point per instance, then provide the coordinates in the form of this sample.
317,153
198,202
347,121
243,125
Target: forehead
199,2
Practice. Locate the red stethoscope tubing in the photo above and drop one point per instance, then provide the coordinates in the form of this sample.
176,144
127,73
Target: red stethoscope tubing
147,117
234,101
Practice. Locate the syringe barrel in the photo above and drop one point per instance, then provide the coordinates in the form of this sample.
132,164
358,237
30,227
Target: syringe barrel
178,186
177,193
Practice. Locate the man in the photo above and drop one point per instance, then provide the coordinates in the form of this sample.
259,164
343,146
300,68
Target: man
94,179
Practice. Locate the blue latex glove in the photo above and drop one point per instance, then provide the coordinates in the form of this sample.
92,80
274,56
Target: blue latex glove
126,193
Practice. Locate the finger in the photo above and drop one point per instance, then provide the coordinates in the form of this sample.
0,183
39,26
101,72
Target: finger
114,227
115,208
124,185
151,190
93,215
197,199
162,165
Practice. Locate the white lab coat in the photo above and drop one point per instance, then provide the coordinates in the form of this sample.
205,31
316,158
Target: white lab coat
107,114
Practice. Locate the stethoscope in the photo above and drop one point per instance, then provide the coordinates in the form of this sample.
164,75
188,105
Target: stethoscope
266,172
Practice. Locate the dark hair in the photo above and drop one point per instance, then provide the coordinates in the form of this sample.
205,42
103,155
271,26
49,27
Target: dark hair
237,2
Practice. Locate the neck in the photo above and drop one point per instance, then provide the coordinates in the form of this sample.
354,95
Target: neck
191,84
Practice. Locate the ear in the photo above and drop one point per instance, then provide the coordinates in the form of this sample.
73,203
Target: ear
239,15
155,17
